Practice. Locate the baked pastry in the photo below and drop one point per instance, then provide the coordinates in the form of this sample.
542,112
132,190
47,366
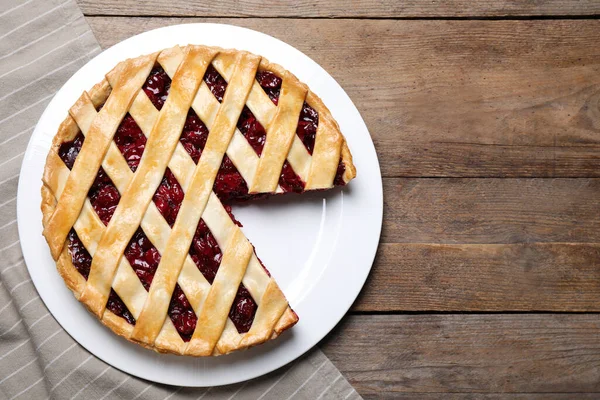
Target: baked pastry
138,185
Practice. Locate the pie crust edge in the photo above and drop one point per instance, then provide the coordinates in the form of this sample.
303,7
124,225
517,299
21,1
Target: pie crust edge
72,277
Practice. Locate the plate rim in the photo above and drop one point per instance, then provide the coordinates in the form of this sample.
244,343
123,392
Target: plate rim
374,239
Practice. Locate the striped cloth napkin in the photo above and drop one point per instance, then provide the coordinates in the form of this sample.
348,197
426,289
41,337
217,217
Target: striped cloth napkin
42,43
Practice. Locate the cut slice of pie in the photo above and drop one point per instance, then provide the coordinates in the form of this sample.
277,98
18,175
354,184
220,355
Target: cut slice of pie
138,185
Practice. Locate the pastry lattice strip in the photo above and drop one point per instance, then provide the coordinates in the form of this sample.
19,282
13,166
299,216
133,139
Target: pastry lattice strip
213,315
125,168
89,228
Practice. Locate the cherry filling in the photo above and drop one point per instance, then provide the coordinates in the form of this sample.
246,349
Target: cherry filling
140,252
182,314
309,118
144,259
307,127
207,255
116,305
168,197
215,82
252,130
205,252
243,310
82,260
339,175
289,181
229,185
270,83
103,194
157,86
104,197
131,141
68,151
247,122
194,135
306,130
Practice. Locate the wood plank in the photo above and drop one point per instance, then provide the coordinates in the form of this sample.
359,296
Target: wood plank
518,277
472,211
333,9
481,396
452,98
531,353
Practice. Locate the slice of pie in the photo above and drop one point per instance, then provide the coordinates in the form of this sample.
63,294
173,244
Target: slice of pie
138,185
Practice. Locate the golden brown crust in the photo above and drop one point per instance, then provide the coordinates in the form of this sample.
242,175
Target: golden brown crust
350,172
129,77
330,146
315,102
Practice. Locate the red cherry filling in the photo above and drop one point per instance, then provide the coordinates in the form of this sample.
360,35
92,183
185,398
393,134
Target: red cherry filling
270,83
103,194
205,252
289,181
68,151
131,141
168,197
82,261
194,135
182,314
252,129
243,310
215,82
157,86
235,221
309,118
307,127
144,259
207,255
116,305
247,123
229,183
306,131
339,175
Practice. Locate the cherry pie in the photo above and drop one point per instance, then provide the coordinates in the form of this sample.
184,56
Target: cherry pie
138,186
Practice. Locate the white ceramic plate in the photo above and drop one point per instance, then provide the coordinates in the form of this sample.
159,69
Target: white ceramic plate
319,246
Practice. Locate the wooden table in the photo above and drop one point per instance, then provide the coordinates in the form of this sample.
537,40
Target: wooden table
486,119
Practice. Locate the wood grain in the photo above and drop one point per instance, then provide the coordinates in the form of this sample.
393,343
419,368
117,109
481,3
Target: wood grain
480,396
332,8
518,277
480,211
385,356
457,99
452,98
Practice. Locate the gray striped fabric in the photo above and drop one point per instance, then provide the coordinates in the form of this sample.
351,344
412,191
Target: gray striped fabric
42,43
